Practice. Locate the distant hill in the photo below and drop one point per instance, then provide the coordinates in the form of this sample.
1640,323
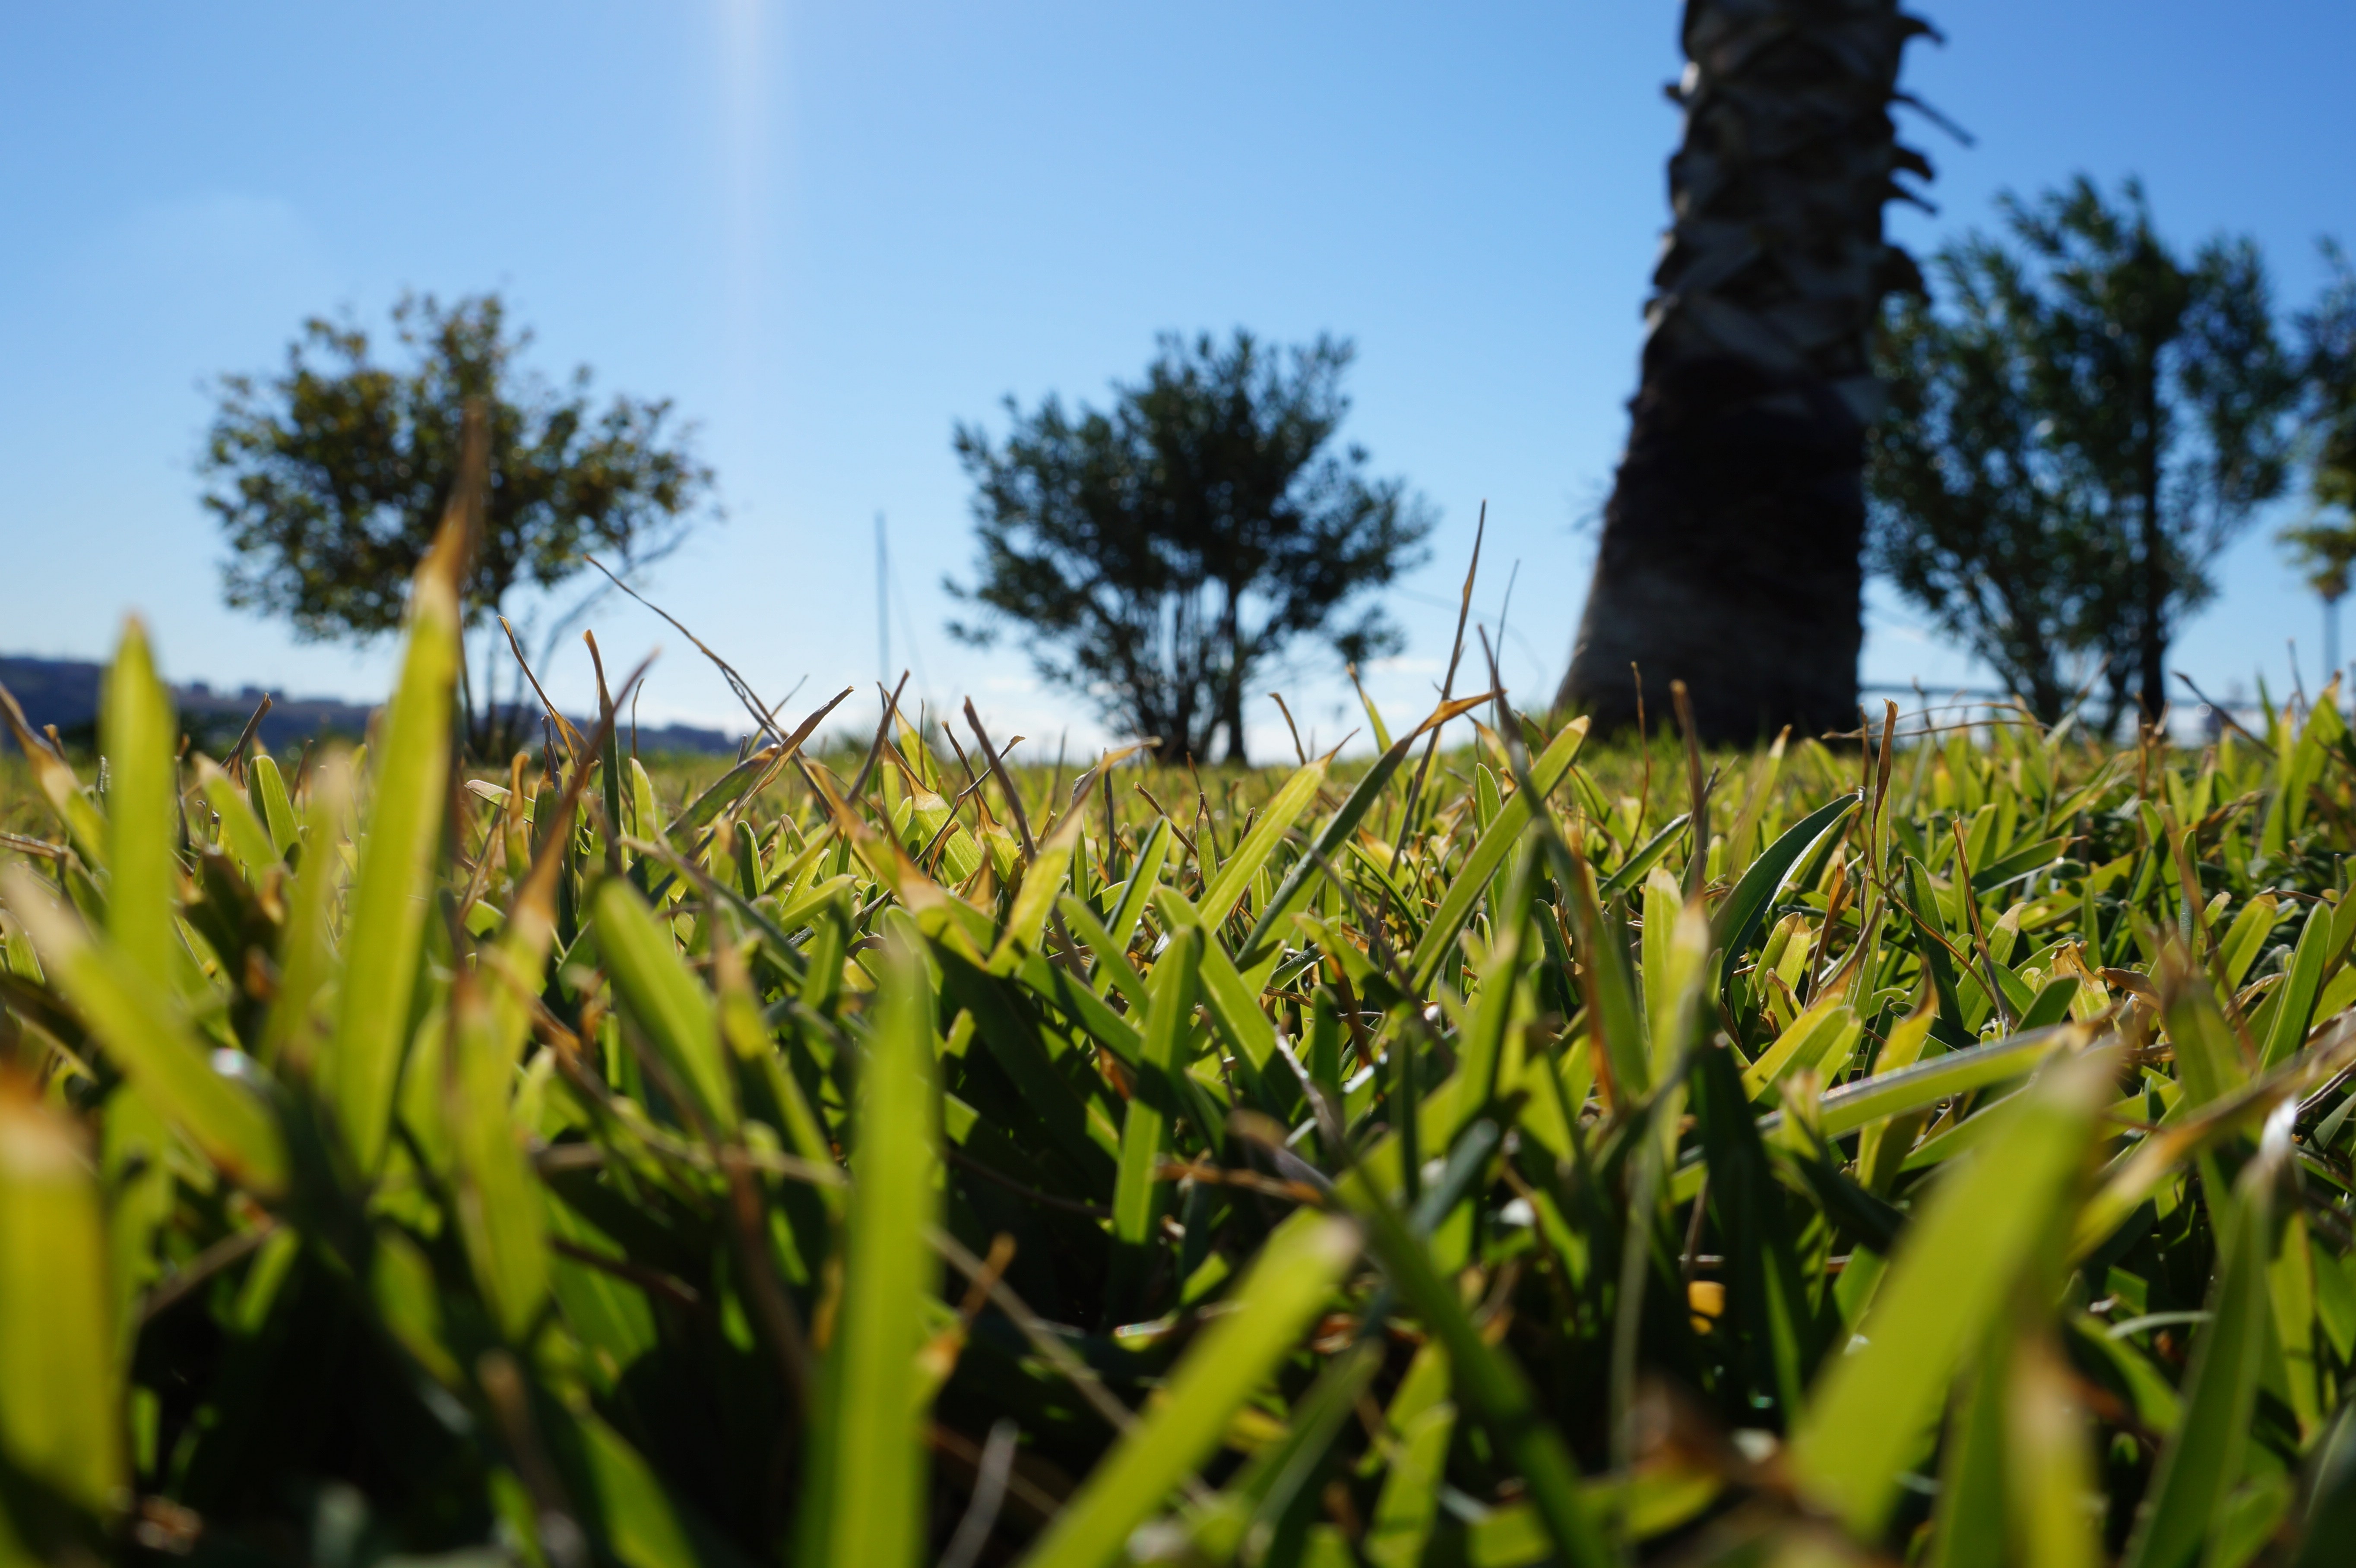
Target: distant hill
64,692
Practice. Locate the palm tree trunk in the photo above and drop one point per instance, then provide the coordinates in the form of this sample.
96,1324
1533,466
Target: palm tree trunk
2330,638
1730,550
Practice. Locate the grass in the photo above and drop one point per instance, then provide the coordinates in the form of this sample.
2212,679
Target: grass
1936,1150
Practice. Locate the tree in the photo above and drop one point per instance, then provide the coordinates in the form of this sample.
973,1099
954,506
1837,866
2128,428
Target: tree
1730,548
330,477
2323,547
1972,518
1159,552
2137,421
2324,553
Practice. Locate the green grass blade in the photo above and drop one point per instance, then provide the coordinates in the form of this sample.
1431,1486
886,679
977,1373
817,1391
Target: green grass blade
143,810
1923,909
1967,1526
2246,937
2209,1061
142,829
1953,1270
1814,1034
1470,880
82,822
1614,1021
1143,877
1486,1380
1231,1000
61,1393
502,1218
306,953
2017,1476
1271,928
628,1511
1113,969
1480,1045
392,891
1661,903
1042,881
2202,1461
865,1498
1276,819
669,1004
1145,1128
1767,1306
1736,920
267,790
1640,863
2331,1494
1409,1500
1854,1105
1289,1284
2302,984
140,1020
243,833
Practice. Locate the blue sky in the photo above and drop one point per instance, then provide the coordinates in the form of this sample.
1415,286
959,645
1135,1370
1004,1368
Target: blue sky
830,232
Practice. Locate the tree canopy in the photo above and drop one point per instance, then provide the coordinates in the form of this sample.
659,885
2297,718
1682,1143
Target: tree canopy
330,476
1157,553
2075,431
2322,544
2328,367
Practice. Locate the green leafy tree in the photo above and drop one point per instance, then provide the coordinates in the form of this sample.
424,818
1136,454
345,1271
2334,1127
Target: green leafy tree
1981,526
2323,546
330,477
2097,418
1157,553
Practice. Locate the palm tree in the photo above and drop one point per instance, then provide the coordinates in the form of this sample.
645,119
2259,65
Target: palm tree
2325,554
1730,550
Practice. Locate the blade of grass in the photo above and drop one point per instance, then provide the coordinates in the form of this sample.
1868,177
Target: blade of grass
668,1002
143,813
142,827
394,888
1271,928
1736,920
1145,1129
1276,819
1952,1270
2302,984
1470,880
1486,1380
60,1383
306,953
2202,1462
141,1023
502,1217
1289,1285
863,1500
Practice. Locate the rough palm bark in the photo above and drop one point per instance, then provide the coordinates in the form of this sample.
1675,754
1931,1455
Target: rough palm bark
1730,550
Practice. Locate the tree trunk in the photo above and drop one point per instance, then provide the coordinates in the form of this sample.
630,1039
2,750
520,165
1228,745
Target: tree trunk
1231,711
1730,550
2330,638
2152,626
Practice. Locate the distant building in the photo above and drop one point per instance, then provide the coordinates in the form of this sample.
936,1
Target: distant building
65,693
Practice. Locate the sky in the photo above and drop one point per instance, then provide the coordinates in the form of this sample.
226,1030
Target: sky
829,233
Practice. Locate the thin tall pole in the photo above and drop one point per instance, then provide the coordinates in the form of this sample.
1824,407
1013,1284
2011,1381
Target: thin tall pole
883,605
2330,637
